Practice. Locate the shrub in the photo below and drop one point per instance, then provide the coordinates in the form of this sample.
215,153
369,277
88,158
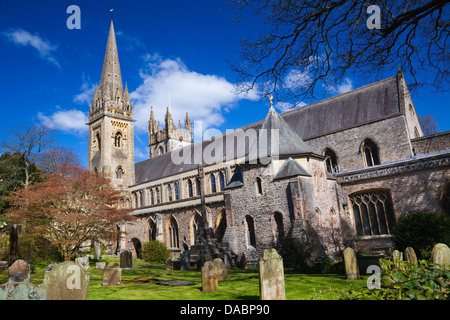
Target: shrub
155,251
421,230
36,248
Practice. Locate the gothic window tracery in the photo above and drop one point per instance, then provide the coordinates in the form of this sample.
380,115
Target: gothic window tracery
370,153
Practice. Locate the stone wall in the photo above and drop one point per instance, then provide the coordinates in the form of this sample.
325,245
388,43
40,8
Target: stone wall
431,143
390,135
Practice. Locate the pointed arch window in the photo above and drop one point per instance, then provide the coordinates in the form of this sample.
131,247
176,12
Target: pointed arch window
221,181
99,141
277,227
119,173
196,224
152,231
173,234
370,153
249,228
158,195
118,140
331,160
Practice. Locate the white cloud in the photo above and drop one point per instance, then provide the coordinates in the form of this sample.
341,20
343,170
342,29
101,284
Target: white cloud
344,87
286,106
70,121
87,94
24,38
169,81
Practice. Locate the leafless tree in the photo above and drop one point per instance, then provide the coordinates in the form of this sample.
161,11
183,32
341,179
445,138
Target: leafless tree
428,124
310,45
28,142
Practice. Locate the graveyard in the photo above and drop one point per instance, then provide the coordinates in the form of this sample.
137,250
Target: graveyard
113,277
140,283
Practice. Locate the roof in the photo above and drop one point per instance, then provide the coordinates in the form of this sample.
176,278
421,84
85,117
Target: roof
368,103
291,168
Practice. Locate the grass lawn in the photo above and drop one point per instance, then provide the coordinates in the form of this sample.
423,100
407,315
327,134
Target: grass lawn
242,284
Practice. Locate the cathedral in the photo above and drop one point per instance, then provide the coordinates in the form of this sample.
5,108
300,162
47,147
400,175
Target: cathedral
335,173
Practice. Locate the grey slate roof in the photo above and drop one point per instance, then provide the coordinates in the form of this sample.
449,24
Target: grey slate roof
368,103
291,168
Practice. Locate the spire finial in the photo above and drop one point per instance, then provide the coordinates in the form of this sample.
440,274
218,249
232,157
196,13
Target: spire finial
271,103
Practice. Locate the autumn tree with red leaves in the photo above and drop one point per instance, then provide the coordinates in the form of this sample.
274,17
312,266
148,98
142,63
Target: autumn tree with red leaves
71,206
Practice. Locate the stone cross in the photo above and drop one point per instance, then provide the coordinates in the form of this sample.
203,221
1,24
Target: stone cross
351,264
210,280
271,276
67,281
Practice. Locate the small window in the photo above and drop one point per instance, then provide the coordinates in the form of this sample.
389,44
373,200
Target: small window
118,140
331,160
259,189
370,153
250,236
177,191
416,132
198,187
190,191
173,234
445,200
119,173
213,183
169,191
221,181
99,141
158,195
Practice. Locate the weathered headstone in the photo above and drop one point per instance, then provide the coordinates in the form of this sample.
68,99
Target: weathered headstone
410,256
169,264
222,273
185,260
67,281
100,265
397,256
97,250
112,264
271,276
243,262
19,271
200,262
126,260
112,277
22,291
210,281
83,261
441,254
351,264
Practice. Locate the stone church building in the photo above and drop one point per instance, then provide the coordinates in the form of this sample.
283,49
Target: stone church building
335,173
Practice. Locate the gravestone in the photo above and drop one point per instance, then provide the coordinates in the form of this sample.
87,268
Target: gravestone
397,256
112,264
169,264
243,262
271,276
67,281
200,262
410,256
112,277
83,261
19,271
51,266
222,273
351,264
126,260
210,280
97,250
22,291
185,260
100,265
441,254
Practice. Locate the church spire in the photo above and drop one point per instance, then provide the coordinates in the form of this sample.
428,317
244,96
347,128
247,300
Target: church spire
111,79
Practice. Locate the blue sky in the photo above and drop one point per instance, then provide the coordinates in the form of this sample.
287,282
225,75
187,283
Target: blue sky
171,52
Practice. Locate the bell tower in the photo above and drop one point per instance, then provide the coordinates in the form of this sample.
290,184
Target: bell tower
111,123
